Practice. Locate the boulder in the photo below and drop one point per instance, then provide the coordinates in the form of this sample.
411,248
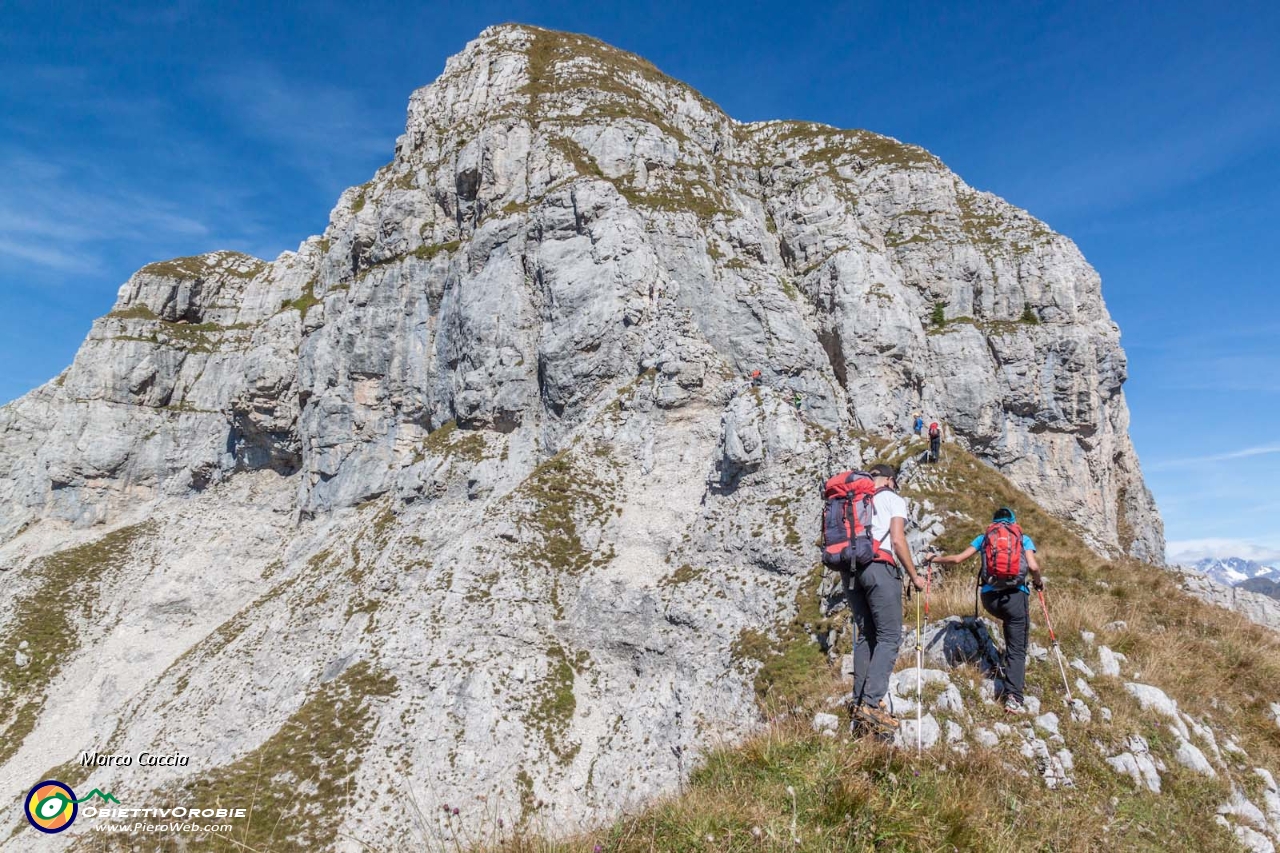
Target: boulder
930,732
1109,662
1048,723
1154,699
1189,755
826,724
1137,764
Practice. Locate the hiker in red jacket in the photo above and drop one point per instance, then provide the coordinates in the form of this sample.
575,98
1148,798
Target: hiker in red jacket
935,441
1008,557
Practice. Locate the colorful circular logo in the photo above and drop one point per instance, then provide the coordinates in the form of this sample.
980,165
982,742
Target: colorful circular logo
51,806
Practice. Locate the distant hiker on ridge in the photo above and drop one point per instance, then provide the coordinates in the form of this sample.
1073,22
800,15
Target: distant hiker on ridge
918,424
935,441
1008,556
864,526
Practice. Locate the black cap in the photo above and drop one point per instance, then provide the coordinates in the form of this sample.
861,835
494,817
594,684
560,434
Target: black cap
883,469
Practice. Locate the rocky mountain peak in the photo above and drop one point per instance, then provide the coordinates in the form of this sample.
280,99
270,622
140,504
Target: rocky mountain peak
487,455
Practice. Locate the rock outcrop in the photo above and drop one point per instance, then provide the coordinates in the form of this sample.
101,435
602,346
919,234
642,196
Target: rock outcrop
483,458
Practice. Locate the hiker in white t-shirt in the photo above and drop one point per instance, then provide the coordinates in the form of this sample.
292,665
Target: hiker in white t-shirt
875,596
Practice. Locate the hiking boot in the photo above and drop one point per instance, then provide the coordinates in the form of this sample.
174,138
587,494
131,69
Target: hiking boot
877,719
866,724
1013,705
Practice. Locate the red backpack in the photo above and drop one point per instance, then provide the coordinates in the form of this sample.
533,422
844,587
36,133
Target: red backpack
1002,561
934,431
846,522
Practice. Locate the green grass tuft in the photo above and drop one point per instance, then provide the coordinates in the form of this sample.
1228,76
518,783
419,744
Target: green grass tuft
426,253
49,617
555,703
450,440
203,266
298,783
306,301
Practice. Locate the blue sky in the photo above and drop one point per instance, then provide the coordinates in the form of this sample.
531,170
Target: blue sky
1149,133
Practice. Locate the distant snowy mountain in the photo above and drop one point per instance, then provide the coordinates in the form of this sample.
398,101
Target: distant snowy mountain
1233,571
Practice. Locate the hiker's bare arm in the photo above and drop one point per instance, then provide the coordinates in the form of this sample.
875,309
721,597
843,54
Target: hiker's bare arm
956,558
898,535
1033,565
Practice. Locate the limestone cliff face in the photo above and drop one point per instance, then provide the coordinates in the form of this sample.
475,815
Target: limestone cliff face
490,440
560,217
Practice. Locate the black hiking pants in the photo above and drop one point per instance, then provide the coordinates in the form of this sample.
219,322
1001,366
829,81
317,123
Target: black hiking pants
875,597
1011,608
935,444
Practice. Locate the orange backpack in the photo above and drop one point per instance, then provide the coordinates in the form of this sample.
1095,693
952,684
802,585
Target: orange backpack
846,521
1002,557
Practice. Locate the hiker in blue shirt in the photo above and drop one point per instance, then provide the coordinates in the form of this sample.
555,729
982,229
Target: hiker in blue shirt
1008,557
918,424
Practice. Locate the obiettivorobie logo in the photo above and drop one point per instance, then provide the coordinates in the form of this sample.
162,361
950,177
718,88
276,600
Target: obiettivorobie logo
52,806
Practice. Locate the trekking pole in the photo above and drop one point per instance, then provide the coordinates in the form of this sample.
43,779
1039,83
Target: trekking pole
919,684
928,584
1058,649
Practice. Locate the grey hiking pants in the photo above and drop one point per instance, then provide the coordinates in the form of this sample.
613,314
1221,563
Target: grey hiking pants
875,597
1011,608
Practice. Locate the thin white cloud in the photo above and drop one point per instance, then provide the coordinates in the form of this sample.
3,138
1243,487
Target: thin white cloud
46,255
319,128
136,187
1257,372
1191,461
60,215
1124,173
1187,551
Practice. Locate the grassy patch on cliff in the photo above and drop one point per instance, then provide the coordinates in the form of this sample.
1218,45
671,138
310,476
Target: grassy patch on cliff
564,494
988,229
189,337
233,264
305,302
555,703
670,192
790,670
428,252
298,783
449,440
48,617
825,143
587,67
